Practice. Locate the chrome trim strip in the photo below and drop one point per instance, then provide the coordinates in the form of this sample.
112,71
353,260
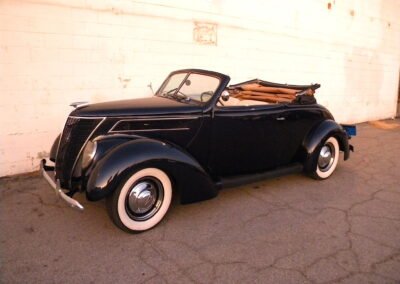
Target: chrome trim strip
149,130
151,119
84,145
141,117
87,117
55,184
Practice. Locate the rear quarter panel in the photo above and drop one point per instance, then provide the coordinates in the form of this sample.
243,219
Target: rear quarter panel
300,121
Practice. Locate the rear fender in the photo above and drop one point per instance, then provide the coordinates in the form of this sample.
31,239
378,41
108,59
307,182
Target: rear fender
121,161
319,133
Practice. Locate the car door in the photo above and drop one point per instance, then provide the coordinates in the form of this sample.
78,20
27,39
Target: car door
245,139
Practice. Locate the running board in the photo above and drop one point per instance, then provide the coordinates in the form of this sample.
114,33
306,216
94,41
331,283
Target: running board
246,179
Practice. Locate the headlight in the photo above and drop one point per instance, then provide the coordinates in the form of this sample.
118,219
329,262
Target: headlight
88,154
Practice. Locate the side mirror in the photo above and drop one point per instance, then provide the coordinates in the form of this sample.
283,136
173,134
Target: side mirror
225,96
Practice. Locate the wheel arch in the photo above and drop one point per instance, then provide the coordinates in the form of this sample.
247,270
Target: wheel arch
185,173
321,132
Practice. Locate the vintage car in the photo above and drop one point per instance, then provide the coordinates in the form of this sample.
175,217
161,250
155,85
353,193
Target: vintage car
195,136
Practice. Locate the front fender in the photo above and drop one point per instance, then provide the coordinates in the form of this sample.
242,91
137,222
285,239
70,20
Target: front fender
321,132
54,148
122,160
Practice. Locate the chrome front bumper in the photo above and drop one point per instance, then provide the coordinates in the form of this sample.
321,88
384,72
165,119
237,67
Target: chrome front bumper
48,174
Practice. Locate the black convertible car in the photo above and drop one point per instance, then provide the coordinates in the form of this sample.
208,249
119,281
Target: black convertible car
195,136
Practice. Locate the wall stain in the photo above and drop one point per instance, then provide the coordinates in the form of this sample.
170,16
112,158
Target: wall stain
124,81
117,11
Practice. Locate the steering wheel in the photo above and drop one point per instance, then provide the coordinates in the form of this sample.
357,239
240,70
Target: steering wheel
208,93
182,95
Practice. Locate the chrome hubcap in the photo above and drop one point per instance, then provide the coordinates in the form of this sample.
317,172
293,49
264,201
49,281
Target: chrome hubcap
326,157
142,197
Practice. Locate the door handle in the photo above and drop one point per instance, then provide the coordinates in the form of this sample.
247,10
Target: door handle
281,118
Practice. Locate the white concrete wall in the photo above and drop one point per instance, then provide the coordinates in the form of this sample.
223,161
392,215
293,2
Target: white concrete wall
53,52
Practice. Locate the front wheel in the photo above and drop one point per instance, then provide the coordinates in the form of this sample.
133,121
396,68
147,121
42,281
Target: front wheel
324,160
141,200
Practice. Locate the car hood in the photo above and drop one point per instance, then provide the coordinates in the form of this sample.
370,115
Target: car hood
145,106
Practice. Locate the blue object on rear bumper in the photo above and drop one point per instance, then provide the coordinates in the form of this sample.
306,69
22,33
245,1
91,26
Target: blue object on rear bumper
351,130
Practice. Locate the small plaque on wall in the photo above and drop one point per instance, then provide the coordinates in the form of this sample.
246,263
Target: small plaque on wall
205,33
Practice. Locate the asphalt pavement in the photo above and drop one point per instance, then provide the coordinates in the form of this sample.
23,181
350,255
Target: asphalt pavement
290,229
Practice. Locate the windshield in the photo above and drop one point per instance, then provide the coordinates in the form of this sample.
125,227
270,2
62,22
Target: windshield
189,87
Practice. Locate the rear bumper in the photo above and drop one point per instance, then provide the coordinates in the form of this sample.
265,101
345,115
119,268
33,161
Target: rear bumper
351,130
48,174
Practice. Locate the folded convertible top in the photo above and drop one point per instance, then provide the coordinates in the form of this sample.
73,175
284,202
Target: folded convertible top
265,91
277,85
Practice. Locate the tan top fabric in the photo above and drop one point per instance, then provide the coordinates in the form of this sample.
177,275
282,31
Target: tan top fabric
256,92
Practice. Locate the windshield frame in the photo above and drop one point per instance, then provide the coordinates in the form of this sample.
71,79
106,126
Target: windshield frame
223,80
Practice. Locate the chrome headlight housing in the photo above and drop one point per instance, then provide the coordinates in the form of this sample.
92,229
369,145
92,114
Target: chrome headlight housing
88,153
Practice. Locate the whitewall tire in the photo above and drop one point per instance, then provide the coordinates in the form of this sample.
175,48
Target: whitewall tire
141,200
326,159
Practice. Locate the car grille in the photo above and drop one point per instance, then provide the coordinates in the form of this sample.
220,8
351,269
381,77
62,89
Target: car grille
74,136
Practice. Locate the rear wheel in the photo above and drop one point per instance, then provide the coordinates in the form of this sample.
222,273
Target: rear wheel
324,160
141,200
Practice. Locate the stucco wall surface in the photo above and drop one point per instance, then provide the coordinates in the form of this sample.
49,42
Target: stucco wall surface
54,52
